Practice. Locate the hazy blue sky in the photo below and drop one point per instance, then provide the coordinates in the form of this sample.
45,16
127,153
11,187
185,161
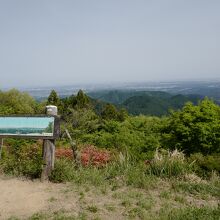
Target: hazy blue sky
50,42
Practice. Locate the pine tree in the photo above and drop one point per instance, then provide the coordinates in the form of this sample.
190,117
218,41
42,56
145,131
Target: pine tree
109,112
82,100
53,98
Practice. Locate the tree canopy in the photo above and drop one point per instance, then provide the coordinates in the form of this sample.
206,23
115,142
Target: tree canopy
195,128
15,102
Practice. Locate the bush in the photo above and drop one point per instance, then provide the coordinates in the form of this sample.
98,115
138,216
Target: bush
194,129
168,164
138,135
64,171
90,155
206,164
23,160
15,102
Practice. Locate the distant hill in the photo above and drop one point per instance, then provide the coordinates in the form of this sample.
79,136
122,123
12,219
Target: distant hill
119,96
144,102
153,105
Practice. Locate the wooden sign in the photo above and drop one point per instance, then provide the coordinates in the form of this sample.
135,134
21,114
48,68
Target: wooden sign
42,127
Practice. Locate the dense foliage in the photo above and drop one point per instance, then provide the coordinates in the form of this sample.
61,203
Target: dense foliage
15,102
195,128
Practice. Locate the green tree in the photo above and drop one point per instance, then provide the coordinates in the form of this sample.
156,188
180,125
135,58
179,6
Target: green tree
15,102
82,121
53,98
109,112
82,100
194,128
122,114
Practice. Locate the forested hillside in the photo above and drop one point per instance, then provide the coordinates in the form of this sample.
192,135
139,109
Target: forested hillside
145,102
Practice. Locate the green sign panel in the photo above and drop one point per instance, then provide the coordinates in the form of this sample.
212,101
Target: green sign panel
39,127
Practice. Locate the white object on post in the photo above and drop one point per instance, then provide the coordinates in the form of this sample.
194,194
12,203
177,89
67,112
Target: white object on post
51,110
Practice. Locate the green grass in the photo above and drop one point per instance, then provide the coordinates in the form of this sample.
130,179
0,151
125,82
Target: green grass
191,213
136,212
165,213
110,207
60,215
133,191
52,199
126,203
92,208
123,171
146,204
114,174
180,198
165,195
197,188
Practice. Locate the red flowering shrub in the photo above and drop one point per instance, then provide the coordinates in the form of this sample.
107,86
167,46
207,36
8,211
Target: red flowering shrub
64,153
89,154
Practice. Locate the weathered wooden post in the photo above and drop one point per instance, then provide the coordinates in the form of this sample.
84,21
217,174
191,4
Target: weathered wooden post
1,145
48,148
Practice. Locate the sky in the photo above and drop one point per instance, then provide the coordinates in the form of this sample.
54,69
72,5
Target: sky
27,122
67,42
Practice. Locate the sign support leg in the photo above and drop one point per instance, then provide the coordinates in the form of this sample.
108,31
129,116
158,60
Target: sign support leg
48,150
1,145
48,158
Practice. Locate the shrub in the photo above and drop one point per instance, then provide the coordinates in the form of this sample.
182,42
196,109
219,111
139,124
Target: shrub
168,164
205,164
23,160
194,129
90,155
15,102
64,153
64,171
138,135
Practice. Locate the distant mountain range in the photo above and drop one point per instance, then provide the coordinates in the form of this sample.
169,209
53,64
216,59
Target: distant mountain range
210,88
145,102
154,98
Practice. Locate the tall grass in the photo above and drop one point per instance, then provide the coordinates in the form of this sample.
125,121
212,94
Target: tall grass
169,164
123,171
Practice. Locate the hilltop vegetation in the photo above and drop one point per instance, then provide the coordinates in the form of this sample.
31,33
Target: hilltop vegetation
181,151
15,102
195,129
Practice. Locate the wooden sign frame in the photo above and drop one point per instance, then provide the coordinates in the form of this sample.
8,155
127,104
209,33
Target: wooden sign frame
56,129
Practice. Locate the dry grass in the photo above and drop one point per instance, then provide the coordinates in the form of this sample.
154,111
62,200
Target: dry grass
71,201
